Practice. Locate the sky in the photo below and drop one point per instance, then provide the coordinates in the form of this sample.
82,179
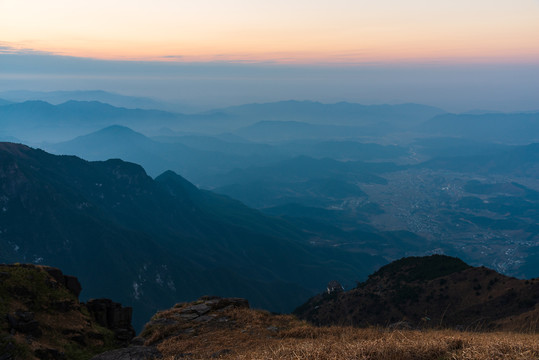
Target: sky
457,54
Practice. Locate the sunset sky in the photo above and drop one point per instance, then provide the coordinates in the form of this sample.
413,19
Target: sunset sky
459,54
304,31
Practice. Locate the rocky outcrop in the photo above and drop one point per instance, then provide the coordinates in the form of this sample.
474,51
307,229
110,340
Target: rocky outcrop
113,316
208,312
42,318
70,282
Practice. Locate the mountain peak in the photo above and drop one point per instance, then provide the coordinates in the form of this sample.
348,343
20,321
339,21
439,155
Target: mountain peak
421,268
13,148
430,291
117,129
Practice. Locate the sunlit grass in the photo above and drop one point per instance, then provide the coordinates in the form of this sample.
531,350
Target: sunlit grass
253,335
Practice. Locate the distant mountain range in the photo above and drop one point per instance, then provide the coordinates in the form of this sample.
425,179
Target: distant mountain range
40,121
150,243
342,113
517,161
119,100
187,154
4,102
297,179
279,131
517,128
193,161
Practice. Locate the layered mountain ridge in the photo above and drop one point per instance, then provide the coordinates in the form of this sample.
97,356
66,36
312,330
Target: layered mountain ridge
150,243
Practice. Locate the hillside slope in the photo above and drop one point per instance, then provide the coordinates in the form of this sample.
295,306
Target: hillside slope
430,292
42,318
225,328
150,243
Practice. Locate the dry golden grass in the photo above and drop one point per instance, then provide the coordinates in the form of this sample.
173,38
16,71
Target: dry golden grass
250,335
401,345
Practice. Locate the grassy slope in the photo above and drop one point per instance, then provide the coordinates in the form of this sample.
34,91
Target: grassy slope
72,331
241,333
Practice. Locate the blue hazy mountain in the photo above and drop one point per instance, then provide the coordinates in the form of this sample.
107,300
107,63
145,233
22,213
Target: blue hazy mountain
304,167
343,150
277,131
514,161
225,144
303,180
342,113
435,147
372,119
316,148
201,158
40,121
156,157
118,100
518,128
151,243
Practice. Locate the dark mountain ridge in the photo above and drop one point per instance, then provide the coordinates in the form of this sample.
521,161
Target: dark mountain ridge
150,243
433,291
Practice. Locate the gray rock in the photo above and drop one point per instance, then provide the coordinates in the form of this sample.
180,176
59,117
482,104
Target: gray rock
200,309
161,322
230,303
138,341
189,317
204,318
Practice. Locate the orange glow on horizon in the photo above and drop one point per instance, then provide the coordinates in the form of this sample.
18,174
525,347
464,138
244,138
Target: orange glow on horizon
303,32
393,54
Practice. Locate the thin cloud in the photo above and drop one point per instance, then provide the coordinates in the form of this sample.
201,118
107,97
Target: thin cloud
19,49
173,57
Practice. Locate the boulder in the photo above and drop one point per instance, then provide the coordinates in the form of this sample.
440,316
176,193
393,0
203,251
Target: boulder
70,282
113,316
